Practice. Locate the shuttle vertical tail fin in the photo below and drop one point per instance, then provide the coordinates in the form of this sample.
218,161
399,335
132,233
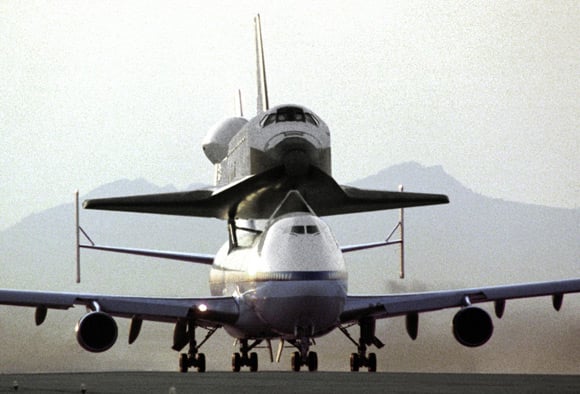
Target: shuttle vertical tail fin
263,104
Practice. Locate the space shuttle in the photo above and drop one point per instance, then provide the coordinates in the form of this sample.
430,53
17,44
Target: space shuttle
259,160
291,136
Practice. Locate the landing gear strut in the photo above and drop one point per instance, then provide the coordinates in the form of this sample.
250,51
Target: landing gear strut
244,358
191,359
367,338
304,356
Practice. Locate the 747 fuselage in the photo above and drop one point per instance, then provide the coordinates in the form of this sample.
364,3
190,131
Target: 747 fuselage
290,280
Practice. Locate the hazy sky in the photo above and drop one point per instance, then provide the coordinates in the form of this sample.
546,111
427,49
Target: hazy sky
91,92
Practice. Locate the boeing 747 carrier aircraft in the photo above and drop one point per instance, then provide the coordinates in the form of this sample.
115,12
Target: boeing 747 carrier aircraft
285,279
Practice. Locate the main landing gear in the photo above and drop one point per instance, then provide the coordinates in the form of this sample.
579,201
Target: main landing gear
367,338
185,333
244,358
188,360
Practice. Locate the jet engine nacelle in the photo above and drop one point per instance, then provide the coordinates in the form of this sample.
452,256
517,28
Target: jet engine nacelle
216,142
96,332
472,326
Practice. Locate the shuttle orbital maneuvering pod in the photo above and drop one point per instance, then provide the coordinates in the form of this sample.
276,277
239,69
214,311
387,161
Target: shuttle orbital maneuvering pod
281,275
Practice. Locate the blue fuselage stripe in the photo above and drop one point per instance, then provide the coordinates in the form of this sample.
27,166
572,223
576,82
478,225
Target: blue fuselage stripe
242,276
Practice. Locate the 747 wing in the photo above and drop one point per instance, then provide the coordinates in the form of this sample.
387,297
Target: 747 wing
209,312
472,326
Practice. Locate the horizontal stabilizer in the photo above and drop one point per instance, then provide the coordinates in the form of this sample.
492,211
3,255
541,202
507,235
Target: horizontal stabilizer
257,197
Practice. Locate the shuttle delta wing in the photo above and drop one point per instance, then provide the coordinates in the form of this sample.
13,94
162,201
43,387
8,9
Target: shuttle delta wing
239,199
358,307
257,196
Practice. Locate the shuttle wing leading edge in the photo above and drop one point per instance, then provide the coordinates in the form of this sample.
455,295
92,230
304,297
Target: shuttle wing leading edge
257,196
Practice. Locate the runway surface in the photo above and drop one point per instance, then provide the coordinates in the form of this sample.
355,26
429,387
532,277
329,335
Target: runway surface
286,382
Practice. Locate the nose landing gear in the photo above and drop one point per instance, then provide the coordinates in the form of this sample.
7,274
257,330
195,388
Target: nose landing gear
311,361
304,356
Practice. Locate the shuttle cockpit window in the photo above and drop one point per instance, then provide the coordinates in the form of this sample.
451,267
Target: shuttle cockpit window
297,230
310,119
289,114
312,230
268,120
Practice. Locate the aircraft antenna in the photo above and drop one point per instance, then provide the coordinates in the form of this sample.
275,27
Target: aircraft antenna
78,236
402,234
263,104
238,104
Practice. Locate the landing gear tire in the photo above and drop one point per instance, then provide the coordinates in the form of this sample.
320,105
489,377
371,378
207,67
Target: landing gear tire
253,362
372,362
183,363
312,361
296,362
200,362
187,361
236,362
354,362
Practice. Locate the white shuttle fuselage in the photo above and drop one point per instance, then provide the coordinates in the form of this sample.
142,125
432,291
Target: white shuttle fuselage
288,135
